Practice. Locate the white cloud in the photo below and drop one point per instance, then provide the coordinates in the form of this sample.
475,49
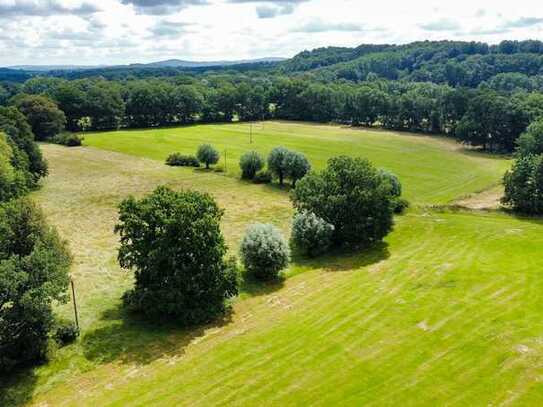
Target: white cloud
128,31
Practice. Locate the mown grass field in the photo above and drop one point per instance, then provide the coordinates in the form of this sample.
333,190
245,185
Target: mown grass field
433,170
446,312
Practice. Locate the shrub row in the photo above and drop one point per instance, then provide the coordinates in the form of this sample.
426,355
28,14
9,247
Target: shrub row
182,160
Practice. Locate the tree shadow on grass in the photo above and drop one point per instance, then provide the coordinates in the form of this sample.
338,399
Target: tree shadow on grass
17,388
344,259
255,288
126,338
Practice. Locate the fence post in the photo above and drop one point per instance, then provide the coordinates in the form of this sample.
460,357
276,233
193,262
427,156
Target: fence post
75,303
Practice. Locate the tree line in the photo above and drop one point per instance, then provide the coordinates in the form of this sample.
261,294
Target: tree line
484,117
34,261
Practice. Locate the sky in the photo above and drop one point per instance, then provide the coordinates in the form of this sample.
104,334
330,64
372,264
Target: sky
110,32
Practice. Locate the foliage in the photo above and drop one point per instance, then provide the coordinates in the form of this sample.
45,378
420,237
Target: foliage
399,205
311,234
263,177
34,265
250,163
12,180
264,251
493,122
296,166
277,163
43,115
394,182
208,155
66,332
172,240
524,185
27,156
531,141
182,160
351,195
103,105
68,139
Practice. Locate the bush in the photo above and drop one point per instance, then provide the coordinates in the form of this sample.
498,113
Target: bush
394,182
182,160
263,177
264,252
207,155
68,139
531,141
67,332
524,185
296,166
351,195
399,205
34,266
311,234
277,164
250,163
174,243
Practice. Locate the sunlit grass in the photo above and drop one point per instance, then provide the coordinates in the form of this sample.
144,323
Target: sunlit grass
433,170
446,311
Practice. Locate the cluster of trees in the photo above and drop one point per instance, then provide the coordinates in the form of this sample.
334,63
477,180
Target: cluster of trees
173,242
282,164
34,261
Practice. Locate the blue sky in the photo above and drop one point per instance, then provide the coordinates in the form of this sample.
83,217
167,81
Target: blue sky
127,31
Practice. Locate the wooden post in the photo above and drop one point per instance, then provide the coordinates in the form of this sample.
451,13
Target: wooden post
75,303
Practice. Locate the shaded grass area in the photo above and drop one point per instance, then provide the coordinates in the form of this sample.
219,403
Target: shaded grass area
432,169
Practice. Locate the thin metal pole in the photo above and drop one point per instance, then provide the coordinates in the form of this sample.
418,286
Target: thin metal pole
75,303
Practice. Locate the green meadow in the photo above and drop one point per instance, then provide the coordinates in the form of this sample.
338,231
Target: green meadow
433,170
447,311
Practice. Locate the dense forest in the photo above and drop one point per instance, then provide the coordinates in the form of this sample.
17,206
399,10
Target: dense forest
484,95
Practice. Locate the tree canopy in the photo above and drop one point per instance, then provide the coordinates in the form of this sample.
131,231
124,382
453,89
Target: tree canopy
173,242
34,265
351,195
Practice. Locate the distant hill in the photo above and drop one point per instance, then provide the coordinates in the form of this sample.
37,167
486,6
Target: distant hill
176,63
47,68
169,63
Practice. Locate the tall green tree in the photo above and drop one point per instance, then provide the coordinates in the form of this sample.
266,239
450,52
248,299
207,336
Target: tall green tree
172,241
43,115
351,195
27,156
34,266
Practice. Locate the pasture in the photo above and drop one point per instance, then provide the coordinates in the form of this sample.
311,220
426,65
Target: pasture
433,170
446,311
